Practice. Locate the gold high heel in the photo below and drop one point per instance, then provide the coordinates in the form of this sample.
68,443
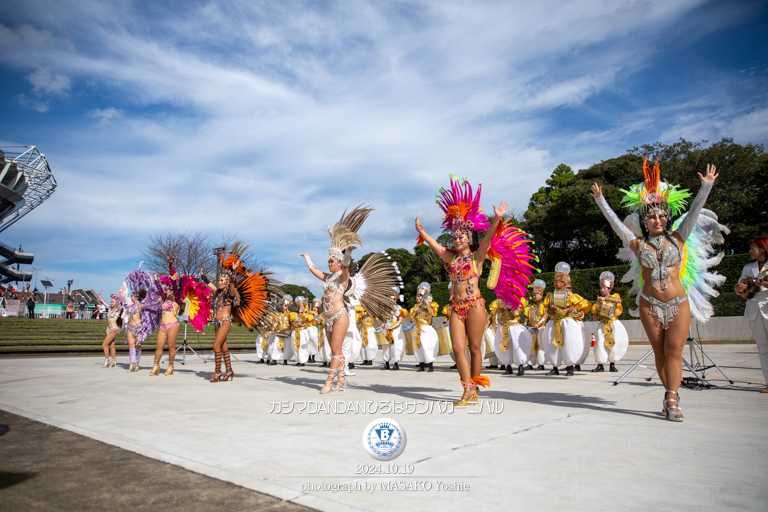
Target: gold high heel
169,370
155,371
468,394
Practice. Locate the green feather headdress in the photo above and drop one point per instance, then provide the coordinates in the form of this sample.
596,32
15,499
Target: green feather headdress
653,195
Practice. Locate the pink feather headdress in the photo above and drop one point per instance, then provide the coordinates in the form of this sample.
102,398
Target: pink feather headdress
463,212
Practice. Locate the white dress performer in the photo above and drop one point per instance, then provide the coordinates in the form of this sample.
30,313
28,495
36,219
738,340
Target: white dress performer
563,336
536,319
425,342
371,287
513,341
612,338
262,341
752,287
277,341
492,324
369,343
300,323
323,343
314,333
393,351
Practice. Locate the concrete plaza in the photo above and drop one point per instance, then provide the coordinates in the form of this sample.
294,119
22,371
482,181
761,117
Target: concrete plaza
532,442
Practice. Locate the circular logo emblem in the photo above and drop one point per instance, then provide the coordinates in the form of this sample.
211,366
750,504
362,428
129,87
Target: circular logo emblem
384,439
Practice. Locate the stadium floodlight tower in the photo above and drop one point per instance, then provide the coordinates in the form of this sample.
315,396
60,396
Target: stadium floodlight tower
26,181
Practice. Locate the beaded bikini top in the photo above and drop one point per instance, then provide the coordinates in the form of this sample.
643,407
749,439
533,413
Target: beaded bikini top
664,257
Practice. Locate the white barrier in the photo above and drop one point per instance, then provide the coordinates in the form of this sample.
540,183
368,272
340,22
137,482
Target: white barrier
719,329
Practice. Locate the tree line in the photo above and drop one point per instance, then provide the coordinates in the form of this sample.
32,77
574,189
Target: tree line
562,218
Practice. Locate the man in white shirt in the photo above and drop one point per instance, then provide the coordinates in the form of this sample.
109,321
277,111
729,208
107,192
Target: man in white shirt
757,306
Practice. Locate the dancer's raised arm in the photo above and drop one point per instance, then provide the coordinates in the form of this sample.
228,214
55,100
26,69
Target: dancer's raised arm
312,268
619,227
687,224
486,242
439,249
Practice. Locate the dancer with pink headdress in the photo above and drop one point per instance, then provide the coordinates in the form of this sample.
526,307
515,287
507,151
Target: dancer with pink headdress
181,294
505,245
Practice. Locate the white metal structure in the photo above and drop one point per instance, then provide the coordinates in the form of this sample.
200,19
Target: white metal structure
26,181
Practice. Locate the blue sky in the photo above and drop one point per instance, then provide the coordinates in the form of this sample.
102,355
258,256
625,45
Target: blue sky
267,119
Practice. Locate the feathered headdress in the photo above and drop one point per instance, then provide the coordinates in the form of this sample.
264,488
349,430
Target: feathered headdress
232,263
344,233
463,213
139,280
653,195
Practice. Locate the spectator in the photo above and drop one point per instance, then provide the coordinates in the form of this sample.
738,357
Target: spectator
31,306
70,309
81,307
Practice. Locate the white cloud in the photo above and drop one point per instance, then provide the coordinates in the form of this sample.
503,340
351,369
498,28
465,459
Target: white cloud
267,120
45,81
106,115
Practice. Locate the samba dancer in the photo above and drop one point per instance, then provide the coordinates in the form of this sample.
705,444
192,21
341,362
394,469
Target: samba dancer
511,255
241,296
143,313
370,287
115,308
665,306
169,328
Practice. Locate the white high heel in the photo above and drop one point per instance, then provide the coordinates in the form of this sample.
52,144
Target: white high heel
668,412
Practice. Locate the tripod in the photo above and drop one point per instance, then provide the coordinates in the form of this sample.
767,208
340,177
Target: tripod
185,347
691,342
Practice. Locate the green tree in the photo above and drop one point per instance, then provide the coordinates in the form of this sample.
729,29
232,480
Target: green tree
571,227
295,291
556,184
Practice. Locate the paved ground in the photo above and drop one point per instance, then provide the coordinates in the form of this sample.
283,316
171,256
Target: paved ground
47,468
533,442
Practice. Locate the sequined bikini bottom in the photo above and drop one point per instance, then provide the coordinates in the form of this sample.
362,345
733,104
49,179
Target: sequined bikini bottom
461,307
330,320
167,327
664,312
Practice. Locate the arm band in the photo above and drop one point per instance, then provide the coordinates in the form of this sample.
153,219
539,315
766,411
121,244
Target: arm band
686,225
347,258
204,278
619,228
310,265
